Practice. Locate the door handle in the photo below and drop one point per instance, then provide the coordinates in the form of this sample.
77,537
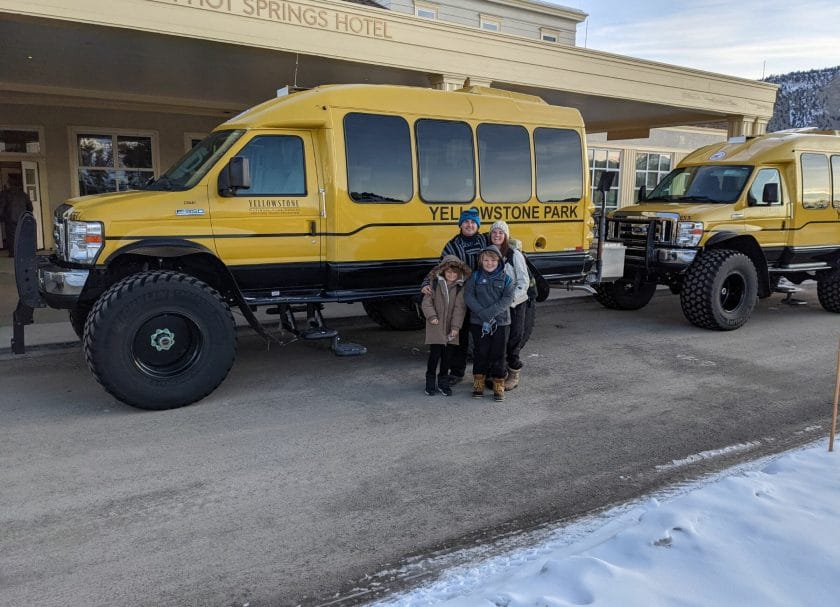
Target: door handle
313,227
736,216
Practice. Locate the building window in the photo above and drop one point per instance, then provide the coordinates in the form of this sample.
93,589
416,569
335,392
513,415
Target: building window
446,161
193,139
491,24
277,166
504,163
601,161
548,35
559,165
816,181
20,141
650,169
378,150
113,162
425,10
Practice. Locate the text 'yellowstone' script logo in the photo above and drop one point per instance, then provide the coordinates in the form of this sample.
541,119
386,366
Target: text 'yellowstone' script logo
509,212
273,206
294,14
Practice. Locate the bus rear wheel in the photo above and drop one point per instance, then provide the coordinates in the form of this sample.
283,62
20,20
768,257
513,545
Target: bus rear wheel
625,294
828,292
397,314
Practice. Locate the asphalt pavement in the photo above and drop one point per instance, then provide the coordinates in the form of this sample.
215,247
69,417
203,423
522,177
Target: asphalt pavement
305,476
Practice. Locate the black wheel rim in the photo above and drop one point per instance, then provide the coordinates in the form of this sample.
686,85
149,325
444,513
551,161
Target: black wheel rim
166,345
732,292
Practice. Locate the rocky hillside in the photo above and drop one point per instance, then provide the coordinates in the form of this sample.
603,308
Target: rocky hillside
809,98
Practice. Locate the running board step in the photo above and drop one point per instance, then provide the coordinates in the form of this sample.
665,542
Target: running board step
318,333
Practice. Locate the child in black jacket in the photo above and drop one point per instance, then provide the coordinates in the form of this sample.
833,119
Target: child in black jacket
488,294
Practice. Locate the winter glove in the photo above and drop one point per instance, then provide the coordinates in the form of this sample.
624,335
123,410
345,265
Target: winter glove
488,328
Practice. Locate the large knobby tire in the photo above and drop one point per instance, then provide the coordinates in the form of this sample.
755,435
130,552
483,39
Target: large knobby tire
78,318
397,314
160,340
828,292
625,294
720,290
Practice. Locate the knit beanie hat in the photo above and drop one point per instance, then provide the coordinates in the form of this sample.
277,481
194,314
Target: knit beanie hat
503,226
471,213
493,250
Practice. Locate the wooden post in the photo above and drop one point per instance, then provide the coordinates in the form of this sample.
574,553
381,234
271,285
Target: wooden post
836,401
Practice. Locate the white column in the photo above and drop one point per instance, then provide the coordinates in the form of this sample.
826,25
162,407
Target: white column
447,82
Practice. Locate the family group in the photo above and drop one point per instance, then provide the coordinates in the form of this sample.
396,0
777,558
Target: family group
480,290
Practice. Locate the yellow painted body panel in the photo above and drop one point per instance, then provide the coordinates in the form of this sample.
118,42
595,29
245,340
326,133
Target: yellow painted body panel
326,225
129,217
788,224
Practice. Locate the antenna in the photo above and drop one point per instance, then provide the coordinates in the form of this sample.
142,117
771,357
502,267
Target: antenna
763,68
585,31
297,58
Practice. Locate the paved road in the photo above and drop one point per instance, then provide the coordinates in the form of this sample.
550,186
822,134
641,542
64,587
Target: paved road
305,472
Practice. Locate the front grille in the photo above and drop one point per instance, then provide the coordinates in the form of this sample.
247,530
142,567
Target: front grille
640,233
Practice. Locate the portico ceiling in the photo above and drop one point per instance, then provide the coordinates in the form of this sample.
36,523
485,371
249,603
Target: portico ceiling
177,58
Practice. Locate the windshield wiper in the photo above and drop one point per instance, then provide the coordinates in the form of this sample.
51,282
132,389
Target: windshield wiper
698,198
161,183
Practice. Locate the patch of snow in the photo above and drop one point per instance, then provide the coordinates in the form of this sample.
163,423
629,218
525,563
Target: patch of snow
764,533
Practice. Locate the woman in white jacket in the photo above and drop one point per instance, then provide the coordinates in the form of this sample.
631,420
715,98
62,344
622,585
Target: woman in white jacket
517,269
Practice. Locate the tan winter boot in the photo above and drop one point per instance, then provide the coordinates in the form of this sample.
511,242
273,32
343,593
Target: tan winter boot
498,389
512,379
478,386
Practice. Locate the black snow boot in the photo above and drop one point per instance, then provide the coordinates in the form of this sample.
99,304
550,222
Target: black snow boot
443,385
431,389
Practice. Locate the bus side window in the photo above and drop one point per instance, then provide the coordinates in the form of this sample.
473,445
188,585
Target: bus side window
558,155
378,151
816,181
446,160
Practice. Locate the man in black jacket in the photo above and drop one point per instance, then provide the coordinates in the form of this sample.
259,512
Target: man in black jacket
13,203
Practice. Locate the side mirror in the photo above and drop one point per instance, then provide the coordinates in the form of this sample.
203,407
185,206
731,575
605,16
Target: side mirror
771,193
235,176
642,194
605,182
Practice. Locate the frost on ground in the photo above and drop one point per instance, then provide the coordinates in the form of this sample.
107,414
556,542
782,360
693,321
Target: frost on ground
767,536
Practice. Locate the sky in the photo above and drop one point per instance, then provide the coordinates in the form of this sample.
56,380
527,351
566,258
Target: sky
747,38
765,533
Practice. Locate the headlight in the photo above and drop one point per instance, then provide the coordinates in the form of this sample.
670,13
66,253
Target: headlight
689,233
84,240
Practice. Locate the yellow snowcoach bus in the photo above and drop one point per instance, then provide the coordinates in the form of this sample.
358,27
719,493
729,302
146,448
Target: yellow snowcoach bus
341,193
729,222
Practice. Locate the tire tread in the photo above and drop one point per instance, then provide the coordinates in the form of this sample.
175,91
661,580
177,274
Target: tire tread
103,307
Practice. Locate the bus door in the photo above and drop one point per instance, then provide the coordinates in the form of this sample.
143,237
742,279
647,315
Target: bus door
271,232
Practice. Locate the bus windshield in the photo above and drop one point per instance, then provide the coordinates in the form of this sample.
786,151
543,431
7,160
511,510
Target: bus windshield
714,183
194,165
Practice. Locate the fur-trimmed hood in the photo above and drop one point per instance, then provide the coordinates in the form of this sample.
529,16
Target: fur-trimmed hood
450,261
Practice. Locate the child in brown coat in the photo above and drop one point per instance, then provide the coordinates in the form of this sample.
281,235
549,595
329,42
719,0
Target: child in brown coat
444,311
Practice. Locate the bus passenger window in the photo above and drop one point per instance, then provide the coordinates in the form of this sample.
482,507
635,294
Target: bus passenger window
504,163
378,152
446,159
559,165
816,181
